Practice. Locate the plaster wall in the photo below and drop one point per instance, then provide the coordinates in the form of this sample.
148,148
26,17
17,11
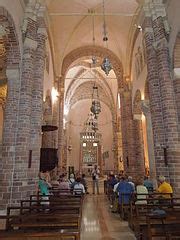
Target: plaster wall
75,124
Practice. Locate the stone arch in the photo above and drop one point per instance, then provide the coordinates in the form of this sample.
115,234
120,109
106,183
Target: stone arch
9,58
94,51
11,79
10,39
9,51
99,52
100,76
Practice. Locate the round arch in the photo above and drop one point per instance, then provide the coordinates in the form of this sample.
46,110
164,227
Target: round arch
89,51
10,39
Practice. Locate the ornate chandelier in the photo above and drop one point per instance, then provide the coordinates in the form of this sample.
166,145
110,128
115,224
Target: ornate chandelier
96,105
106,65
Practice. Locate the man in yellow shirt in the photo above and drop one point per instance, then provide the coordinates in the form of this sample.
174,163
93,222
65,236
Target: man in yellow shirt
164,187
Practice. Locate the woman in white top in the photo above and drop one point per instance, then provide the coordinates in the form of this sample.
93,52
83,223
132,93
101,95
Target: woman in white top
141,192
78,187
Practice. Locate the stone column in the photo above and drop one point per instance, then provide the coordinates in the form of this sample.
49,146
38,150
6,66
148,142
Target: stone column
61,149
177,90
7,165
170,145
154,94
152,165
139,145
37,96
176,74
55,119
115,145
127,133
23,179
99,153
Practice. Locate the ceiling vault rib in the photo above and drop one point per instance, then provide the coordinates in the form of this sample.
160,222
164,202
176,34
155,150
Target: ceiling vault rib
90,78
90,14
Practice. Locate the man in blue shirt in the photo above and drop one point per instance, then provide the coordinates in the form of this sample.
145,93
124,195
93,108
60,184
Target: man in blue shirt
125,190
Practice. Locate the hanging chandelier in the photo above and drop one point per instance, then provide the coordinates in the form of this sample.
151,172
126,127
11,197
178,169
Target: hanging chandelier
106,64
96,105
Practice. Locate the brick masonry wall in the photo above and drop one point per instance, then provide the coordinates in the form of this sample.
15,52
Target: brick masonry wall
9,137
154,96
11,108
37,100
176,59
127,133
162,98
23,115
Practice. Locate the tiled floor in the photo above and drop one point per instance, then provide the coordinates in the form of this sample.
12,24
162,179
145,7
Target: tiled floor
98,223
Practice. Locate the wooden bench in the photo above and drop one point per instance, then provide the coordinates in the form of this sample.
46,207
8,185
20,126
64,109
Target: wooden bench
150,199
62,218
44,235
163,226
143,221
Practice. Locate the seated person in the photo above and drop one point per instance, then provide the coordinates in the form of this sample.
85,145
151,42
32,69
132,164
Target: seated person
124,190
141,192
148,184
43,187
78,188
71,180
164,187
131,182
63,185
54,181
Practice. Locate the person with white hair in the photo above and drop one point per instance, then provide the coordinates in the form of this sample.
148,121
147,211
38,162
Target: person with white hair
131,182
71,179
164,187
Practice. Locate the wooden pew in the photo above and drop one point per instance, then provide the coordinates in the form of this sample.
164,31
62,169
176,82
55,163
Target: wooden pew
63,234
31,219
144,223
163,226
150,198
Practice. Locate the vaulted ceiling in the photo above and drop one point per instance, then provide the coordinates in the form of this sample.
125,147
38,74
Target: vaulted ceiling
71,26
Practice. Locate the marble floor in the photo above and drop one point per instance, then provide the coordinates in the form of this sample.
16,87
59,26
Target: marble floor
98,223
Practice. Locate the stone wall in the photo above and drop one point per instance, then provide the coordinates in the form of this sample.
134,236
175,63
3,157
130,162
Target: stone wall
23,110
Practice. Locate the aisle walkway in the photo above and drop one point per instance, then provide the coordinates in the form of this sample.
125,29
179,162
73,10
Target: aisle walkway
98,223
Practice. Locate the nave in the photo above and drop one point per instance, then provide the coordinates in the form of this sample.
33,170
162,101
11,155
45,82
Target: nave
98,223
